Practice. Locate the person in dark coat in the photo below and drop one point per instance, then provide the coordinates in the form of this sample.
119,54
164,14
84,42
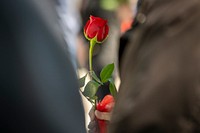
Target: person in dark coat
160,71
39,91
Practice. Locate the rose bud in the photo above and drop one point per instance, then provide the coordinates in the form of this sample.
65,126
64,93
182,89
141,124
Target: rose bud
96,28
106,105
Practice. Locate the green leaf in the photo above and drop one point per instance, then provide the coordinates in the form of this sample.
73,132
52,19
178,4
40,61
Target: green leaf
112,88
91,89
106,72
82,81
94,76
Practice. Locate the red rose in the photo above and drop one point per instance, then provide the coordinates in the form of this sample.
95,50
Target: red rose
106,105
96,28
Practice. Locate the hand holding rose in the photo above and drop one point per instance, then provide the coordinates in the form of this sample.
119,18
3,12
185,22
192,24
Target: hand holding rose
104,111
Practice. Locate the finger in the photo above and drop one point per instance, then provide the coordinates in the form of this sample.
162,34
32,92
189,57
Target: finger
103,115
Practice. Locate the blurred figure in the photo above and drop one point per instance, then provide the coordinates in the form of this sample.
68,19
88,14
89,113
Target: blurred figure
70,19
125,14
39,89
159,90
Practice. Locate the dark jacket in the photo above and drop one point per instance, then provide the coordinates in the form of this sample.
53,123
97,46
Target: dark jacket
160,73
38,85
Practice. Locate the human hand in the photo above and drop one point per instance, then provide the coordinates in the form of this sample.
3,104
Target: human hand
103,115
103,112
96,115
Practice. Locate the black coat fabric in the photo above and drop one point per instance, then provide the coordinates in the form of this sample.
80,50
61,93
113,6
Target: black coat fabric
38,85
160,74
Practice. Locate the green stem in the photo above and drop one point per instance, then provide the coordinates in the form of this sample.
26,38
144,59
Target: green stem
92,44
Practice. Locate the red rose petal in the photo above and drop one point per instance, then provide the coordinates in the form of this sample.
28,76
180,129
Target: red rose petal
106,31
96,27
92,30
86,25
